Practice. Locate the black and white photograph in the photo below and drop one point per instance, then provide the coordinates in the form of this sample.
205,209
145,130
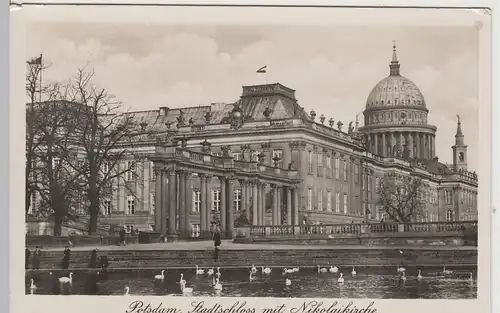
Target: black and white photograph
252,159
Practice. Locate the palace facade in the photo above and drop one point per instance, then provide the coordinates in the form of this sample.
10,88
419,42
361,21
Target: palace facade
265,157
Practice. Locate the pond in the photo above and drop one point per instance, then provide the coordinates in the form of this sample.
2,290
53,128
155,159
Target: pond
369,282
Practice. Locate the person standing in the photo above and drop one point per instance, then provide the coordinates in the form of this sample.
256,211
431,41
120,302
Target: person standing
66,257
93,259
216,237
122,236
36,258
27,258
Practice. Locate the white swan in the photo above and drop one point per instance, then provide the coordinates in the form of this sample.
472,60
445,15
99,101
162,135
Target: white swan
199,271
266,270
445,271
288,271
127,290
288,282
66,280
419,276
353,273
184,289
251,278
217,285
32,286
321,269
210,271
295,269
341,278
160,276
334,269
403,277
254,269
401,269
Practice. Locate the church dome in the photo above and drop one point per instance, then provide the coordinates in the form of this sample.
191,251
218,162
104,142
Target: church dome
395,90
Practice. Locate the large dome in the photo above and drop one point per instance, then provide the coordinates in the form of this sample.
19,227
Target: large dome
395,90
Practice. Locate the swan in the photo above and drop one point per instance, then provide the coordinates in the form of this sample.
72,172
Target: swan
401,269
353,273
217,285
401,252
445,271
288,271
288,282
160,276
334,269
199,271
341,278
295,269
403,277
210,271
254,269
266,270
182,279
419,276
185,289
66,280
321,270
251,276
33,287
127,290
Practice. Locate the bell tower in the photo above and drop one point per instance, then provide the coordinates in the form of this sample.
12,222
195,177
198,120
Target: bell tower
459,149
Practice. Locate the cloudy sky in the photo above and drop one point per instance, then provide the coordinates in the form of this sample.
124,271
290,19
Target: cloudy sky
333,68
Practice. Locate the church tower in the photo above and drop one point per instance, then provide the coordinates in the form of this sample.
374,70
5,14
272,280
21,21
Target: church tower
459,149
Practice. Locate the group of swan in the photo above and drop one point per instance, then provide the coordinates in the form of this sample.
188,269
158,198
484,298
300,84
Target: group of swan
333,270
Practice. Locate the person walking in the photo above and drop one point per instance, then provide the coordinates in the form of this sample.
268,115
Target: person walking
93,259
122,236
27,258
36,258
217,237
66,257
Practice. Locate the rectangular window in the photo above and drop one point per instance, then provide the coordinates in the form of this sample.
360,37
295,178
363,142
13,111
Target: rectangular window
237,199
329,201
345,203
337,202
345,170
237,155
337,168
215,200
106,207
356,173
448,197
309,198
130,205
130,168
278,153
320,200
310,161
196,201
195,230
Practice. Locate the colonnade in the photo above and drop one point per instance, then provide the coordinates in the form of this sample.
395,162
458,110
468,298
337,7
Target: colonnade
174,202
388,144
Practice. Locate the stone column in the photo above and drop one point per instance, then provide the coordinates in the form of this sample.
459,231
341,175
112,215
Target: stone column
288,206
208,204
262,203
223,204
229,209
182,204
259,203
275,204
417,145
164,201
189,203
401,141
411,148
158,199
255,204
244,207
384,145
280,201
375,139
295,204
172,206
203,207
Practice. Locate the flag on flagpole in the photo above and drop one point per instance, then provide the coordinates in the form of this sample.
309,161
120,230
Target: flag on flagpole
36,61
262,69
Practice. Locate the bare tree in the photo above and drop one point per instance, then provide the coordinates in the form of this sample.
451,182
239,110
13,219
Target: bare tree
106,136
401,197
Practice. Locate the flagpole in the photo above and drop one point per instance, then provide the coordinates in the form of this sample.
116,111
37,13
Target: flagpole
41,70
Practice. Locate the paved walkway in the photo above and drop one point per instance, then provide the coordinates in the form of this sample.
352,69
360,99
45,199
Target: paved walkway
229,245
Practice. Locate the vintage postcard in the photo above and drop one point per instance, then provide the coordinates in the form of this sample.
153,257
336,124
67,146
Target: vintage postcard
250,159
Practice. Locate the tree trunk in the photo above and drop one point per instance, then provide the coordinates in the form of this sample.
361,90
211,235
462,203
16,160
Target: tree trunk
94,214
58,221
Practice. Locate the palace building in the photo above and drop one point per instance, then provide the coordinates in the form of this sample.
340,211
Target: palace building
265,157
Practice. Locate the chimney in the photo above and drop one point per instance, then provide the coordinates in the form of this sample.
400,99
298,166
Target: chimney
164,110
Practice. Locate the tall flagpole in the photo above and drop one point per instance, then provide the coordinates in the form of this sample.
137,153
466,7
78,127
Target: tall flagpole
41,70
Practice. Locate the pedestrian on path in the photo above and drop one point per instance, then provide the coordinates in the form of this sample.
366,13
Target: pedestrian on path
122,236
66,257
216,237
93,259
37,255
27,254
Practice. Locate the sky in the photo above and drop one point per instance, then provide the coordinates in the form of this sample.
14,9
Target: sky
332,68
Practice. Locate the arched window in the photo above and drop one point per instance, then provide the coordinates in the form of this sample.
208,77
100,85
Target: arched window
461,156
449,215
